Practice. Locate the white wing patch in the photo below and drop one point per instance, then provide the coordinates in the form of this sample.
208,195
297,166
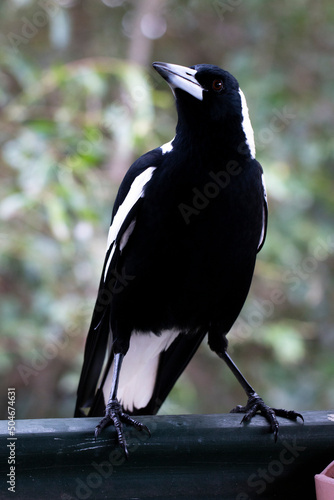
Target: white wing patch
246,124
108,263
264,216
136,191
127,234
139,368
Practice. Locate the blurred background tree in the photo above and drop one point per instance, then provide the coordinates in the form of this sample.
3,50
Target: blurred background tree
79,102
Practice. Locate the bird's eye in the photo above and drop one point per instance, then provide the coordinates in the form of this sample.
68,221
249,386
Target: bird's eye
217,85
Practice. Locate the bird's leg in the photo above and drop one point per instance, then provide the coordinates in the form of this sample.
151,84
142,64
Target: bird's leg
114,413
256,404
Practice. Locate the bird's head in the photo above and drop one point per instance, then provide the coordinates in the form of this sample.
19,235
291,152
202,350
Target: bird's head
209,99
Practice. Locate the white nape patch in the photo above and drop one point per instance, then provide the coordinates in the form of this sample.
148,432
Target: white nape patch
168,147
136,191
246,124
139,368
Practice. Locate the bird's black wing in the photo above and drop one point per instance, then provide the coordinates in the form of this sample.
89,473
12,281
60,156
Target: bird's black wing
96,363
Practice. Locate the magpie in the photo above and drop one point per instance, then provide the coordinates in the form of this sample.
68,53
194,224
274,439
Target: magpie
187,223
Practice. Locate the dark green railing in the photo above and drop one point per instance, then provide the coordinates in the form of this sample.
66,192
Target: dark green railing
191,456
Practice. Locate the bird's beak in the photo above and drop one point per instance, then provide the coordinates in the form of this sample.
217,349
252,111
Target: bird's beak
180,77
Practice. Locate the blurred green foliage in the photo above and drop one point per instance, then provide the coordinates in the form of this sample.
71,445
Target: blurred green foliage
79,102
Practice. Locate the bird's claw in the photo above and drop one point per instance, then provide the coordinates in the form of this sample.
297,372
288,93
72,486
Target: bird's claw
290,414
255,404
115,415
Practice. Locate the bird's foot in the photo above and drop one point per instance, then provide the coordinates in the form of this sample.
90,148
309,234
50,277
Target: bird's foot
255,404
115,415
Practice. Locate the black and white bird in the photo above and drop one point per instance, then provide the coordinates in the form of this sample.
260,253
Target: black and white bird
188,220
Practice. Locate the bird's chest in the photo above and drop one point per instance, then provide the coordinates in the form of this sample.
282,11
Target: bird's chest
207,209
